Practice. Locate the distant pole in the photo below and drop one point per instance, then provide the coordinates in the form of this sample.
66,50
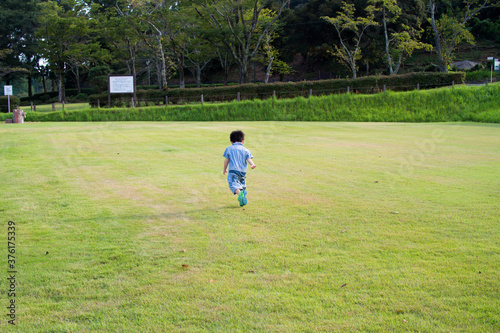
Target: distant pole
109,93
166,100
384,87
310,92
418,86
238,96
7,91
201,99
348,89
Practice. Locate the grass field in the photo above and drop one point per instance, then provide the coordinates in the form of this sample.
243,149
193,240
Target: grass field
58,107
350,227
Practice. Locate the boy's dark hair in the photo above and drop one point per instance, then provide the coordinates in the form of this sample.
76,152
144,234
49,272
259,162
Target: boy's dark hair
237,136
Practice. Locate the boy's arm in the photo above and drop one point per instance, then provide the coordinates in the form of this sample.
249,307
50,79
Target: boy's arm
226,162
252,164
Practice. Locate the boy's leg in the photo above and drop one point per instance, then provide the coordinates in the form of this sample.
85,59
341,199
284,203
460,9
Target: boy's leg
238,187
242,198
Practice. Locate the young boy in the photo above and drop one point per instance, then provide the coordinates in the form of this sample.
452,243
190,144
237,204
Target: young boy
237,157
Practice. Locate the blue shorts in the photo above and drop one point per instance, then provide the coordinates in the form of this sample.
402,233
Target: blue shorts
236,180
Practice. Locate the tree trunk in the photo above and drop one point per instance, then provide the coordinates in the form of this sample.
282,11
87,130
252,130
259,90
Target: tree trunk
44,83
198,75
30,86
133,70
441,64
268,70
182,79
387,53
78,86
62,88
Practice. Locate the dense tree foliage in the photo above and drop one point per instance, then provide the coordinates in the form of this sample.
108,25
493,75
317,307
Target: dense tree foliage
76,43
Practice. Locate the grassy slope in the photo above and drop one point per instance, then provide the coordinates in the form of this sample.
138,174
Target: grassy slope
449,104
349,227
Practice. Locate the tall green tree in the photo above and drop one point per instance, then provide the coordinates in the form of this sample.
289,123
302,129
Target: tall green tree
18,48
66,38
400,39
239,26
350,30
153,21
450,29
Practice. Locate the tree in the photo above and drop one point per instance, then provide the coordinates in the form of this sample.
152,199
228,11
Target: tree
121,34
18,21
269,54
65,38
348,25
239,26
152,20
450,29
5,70
401,42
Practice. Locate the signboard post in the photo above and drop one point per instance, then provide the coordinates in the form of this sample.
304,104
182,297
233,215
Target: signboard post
491,72
7,91
120,84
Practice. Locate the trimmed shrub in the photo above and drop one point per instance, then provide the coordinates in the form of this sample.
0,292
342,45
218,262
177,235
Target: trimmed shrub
364,85
4,103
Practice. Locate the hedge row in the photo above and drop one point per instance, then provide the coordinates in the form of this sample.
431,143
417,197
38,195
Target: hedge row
48,97
365,85
461,103
4,103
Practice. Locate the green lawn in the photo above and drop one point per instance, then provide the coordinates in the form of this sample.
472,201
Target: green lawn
58,107
350,227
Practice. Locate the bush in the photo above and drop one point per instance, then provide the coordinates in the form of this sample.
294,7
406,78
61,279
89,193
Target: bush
4,103
481,76
80,98
369,84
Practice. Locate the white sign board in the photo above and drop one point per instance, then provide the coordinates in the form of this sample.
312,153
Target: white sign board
121,84
497,64
7,90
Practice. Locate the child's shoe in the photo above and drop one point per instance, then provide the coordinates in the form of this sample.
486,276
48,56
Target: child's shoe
242,198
